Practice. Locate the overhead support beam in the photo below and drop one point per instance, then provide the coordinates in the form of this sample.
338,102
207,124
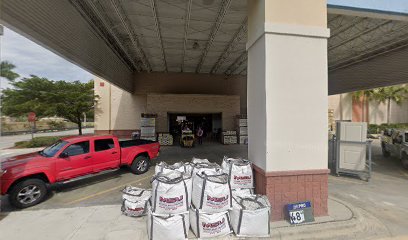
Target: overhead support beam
158,32
220,18
384,49
186,27
237,63
238,36
90,11
388,68
331,48
132,35
344,28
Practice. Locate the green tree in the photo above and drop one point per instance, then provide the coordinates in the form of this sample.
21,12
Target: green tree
390,94
72,99
6,71
28,95
69,100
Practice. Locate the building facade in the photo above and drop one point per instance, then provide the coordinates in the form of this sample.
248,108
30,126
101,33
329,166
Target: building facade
373,112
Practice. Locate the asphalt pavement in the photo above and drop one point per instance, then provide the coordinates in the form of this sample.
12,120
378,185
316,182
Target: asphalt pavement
8,141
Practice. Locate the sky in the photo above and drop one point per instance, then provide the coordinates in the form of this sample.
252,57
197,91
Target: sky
383,5
33,59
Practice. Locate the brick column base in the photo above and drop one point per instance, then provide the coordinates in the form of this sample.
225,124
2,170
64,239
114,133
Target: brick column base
283,187
118,133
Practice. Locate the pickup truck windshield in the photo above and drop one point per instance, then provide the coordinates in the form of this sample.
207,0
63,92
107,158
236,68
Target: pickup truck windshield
53,149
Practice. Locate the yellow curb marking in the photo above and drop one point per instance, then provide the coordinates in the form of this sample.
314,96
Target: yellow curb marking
106,191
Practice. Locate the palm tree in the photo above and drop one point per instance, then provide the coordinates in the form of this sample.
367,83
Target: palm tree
6,71
365,96
393,93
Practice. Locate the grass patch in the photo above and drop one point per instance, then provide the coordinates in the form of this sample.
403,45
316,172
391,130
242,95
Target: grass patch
38,142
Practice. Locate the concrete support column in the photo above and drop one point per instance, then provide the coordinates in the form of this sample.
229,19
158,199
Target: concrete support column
287,101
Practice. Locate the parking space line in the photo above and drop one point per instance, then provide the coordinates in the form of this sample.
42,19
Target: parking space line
106,191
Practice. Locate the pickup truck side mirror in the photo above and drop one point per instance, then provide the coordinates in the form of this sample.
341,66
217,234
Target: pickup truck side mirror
63,155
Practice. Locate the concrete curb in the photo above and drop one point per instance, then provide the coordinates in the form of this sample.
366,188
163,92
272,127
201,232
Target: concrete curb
107,222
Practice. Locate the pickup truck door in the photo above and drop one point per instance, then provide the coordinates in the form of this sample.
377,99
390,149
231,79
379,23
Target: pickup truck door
106,154
75,160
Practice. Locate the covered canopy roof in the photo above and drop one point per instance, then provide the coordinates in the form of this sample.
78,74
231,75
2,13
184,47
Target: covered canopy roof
117,38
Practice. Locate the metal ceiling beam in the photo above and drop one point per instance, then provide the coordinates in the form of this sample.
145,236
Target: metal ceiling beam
384,49
331,48
243,70
158,32
186,27
90,12
220,18
132,36
237,63
344,28
241,33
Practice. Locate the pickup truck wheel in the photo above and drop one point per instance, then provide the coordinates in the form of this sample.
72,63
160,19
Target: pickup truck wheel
28,193
140,165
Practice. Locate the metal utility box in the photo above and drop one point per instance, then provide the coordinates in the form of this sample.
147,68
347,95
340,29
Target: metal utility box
352,150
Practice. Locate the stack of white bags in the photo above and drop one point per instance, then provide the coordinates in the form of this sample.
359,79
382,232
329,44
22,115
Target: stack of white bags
214,200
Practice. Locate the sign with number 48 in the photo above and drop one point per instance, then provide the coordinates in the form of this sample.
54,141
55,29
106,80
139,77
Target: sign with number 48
300,212
297,217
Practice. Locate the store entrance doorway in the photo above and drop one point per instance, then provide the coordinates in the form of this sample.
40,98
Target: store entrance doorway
211,123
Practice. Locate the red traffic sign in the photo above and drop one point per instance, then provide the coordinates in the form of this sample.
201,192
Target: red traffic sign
31,117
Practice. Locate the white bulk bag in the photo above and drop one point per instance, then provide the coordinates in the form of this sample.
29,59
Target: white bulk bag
226,161
135,201
199,160
239,171
200,167
170,193
209,225
179,166
250,216
136,194
242,192
170,226
211,192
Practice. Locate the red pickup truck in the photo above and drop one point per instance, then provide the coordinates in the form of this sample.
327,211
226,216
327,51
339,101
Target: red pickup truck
26,177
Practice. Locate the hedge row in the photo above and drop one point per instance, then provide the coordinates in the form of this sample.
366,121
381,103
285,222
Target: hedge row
37,142
376,129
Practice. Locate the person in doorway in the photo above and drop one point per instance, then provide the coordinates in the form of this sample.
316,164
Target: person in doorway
200,133
186,128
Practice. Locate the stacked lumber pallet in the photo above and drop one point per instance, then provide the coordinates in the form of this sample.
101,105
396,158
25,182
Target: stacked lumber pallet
242,129
148,127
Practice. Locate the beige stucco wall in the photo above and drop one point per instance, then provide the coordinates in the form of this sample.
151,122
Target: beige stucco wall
195,93
162,104
191,83
342,106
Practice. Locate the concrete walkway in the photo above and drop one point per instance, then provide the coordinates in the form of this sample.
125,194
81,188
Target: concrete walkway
107,222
